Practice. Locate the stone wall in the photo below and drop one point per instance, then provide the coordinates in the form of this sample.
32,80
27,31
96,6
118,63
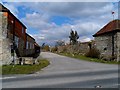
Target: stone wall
5,47
81,48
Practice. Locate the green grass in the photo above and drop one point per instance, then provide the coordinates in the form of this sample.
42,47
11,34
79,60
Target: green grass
24,69
81,57
0,70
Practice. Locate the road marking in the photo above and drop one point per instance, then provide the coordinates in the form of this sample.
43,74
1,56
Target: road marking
116,84
6,78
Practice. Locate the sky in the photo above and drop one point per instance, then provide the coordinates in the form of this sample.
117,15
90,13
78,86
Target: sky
49,22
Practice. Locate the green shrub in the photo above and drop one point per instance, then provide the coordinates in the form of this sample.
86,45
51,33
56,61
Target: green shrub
93,53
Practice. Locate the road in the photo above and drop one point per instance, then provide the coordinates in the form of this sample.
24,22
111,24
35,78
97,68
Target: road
65,72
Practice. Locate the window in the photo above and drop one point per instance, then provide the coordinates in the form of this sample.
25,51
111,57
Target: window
27,45
31,46
10,26
16,41
22,30
105,49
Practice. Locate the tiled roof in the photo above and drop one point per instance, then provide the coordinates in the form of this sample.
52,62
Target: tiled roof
110,27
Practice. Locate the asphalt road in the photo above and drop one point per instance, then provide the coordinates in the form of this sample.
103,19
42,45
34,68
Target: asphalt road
65,72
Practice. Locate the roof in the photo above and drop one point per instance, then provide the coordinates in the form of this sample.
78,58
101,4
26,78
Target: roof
30,36
110,27
4,9
36,44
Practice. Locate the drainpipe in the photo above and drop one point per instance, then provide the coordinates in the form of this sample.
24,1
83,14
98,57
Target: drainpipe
113,45
13,22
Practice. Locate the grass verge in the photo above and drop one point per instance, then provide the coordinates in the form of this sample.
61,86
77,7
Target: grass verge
81,57
24,69
0,69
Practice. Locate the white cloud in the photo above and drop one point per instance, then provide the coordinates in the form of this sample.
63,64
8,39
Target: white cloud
69,9
61,0
85,39
78,9
38,21
63,32
86,18
91,17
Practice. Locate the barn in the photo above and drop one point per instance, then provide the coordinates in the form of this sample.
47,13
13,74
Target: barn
14,41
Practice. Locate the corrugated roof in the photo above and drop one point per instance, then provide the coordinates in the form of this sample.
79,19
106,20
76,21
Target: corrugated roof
110,27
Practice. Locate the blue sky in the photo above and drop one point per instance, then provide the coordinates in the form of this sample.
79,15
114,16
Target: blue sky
48,22
59,20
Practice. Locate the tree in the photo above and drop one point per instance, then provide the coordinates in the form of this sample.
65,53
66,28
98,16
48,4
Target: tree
73,37
43,45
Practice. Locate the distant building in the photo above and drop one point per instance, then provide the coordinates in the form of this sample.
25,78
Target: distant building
108,41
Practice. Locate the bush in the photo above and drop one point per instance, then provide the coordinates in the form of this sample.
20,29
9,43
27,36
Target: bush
64,50
46,48
54,49
93,53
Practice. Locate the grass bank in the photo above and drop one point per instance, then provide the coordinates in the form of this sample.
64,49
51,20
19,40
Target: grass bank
81,57
0,70
24,69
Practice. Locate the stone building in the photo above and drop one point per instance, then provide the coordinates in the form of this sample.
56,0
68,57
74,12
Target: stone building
108,41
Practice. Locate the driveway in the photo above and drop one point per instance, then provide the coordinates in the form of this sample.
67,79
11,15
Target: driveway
65,72
60,63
